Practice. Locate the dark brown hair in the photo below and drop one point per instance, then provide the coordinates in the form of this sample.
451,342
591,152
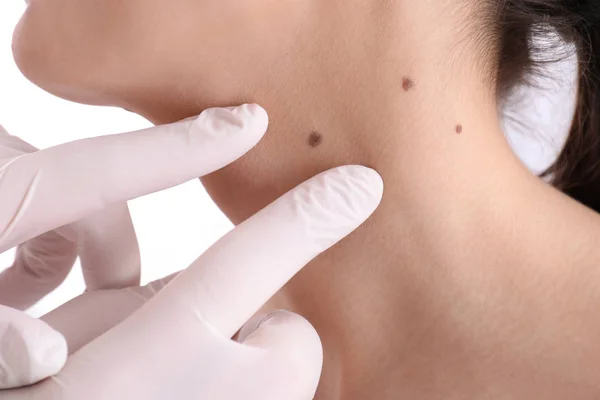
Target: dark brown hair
577,169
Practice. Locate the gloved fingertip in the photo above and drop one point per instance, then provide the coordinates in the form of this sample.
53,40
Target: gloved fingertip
262,321
30,351
248,119
254,113
252,326
292,343
368,180
52,355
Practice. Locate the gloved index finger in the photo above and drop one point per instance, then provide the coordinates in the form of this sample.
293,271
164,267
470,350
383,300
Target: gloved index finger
54,187
188,323
237,275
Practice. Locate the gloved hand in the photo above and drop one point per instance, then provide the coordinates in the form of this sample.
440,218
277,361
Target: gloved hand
82,188
43,263
177,345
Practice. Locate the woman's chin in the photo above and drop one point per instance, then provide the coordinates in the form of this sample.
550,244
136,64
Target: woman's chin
42,59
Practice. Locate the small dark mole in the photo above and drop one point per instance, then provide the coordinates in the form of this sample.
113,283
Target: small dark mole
315,139
407,84
459,129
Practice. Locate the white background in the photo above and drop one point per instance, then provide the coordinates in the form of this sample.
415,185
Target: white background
175,226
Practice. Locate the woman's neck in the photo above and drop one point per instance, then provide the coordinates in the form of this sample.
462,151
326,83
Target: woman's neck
455,194
374,285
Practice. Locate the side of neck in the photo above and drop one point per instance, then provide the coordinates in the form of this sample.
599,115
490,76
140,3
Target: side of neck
455,197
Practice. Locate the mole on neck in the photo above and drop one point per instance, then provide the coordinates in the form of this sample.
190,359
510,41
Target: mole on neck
315,139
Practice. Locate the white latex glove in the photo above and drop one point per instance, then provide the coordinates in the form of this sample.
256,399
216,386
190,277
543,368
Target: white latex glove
105,242
82,187
178,346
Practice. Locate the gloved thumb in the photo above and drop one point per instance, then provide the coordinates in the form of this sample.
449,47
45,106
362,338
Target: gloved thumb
30,350
294,354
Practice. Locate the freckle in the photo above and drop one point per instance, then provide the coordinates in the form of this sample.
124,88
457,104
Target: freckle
459,129
407,84
315,139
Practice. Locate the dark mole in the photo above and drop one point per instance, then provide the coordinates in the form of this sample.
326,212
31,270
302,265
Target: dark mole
459,129
315,139
407,84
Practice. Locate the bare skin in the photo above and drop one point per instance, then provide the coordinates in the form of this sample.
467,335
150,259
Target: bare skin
473,280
